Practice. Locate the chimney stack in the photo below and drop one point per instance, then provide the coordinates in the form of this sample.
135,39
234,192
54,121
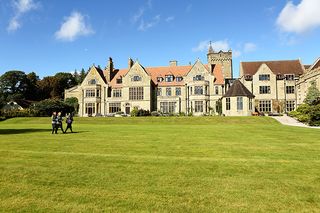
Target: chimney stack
109,69
130,63
173,63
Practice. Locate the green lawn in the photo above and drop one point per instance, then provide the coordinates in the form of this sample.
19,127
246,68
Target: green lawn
178,164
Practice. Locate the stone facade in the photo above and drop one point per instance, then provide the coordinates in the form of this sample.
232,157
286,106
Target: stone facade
222,58
169,89
273,83
312,74
238,101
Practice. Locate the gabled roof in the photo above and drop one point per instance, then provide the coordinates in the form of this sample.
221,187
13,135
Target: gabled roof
238,89
155,72
217,72
120,74
315,65
100,71
177,71
277,67
306,66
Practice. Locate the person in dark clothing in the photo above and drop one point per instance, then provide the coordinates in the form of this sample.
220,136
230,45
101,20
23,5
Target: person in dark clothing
59,122
54,122
69,122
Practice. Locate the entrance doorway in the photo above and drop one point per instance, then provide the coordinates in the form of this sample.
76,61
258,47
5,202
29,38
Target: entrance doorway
127,110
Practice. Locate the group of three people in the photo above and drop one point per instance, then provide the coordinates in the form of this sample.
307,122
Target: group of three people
57,122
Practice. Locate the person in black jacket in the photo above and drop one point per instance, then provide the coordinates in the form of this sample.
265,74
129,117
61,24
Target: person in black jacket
69,121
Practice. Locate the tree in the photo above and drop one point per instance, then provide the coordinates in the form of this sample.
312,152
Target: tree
46,87
313,94
73,102
32,87
82,75
76,76
54,86
63,81
13,85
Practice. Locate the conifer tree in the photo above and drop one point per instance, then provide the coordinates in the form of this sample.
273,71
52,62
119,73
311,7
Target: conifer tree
313,94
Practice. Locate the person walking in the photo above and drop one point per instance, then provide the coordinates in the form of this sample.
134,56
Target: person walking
69,122
54,122
59,122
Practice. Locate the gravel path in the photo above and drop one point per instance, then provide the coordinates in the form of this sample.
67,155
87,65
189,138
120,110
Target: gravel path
286,120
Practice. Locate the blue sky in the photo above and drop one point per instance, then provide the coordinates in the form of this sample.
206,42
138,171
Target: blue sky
64,35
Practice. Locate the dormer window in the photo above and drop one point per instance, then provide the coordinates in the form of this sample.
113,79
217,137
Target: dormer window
159,79
289,77
136,78
169,78
92,82
248,77
198,78
179,79
264,77
119,80
279,77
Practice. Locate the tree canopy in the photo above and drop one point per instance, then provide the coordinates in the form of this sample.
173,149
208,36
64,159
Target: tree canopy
313,94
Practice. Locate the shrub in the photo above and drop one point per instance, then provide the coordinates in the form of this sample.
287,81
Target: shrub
46,107
307,114
20,113
314,115
139,112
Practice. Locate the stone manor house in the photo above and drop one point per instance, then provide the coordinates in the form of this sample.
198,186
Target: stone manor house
265,86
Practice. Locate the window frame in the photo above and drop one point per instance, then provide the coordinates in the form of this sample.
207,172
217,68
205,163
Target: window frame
198,90
178,91
136,78
136,93
290,89
264,90
239,103
168,91
198,106
117,93
228,104
264,77
114,107
265,106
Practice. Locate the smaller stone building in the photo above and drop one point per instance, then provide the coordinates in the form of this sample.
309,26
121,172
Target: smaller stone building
238,101
273,84
312,74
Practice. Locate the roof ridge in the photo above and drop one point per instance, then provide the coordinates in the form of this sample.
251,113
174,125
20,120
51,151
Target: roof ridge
269,61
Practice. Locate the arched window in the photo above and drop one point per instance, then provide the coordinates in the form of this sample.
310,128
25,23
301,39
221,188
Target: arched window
136,78
92,81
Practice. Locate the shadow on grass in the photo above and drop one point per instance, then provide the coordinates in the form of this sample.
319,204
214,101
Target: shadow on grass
21,131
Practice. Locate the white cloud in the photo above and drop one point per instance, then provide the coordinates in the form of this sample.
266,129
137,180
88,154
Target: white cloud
13,25
299,18
73,27
21,7
138,15
139,19
170,18
24,6
146,25
249,47
216,45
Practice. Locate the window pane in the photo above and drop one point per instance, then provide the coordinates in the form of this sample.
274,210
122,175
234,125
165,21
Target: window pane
136,93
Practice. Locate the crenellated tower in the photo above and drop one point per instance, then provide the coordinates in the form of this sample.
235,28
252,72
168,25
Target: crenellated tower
223,58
